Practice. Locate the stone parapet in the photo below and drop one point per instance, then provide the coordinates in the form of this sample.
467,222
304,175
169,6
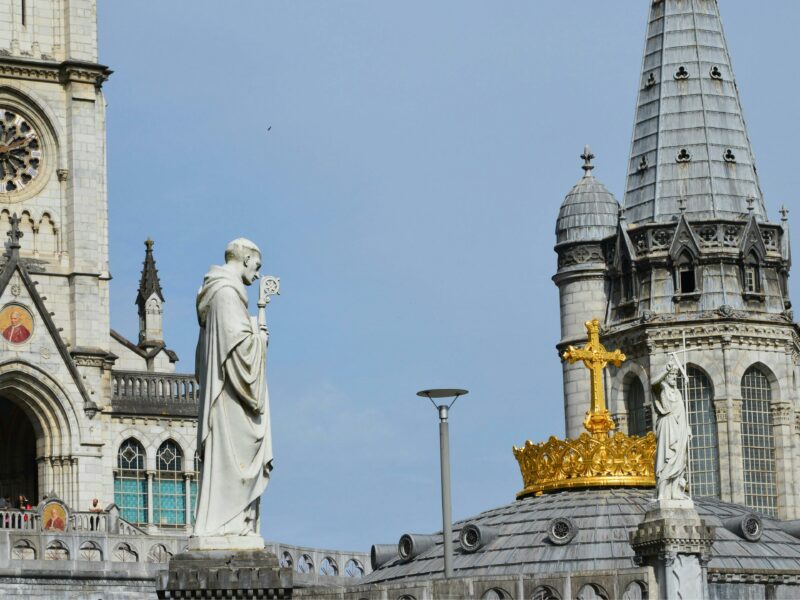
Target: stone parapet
225,574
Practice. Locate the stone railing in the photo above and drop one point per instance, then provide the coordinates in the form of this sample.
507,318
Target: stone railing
166,394
23,520
100,522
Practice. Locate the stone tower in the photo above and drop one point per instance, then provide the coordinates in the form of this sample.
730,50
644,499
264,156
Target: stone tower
694,263
55,276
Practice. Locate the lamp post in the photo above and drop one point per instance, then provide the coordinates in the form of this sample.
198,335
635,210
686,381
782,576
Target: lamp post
444,456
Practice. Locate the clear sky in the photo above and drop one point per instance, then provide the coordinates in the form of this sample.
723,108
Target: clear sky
406,194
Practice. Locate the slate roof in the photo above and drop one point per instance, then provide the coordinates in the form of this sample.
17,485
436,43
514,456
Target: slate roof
689,105
604,518
589,213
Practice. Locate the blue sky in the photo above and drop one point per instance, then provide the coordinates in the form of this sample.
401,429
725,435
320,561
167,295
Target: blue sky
406,194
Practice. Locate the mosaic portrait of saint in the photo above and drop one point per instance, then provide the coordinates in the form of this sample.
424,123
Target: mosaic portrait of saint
16,323
54,517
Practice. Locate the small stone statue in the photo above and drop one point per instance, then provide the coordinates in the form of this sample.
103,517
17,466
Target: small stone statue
234,437
672,433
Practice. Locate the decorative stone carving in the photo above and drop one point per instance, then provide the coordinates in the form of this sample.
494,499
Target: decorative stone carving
234,435
672,433
579,255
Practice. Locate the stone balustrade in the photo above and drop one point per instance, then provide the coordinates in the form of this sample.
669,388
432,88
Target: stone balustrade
165,394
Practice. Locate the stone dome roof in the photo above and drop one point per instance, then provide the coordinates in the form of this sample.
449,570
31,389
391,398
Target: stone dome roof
590,212
596,539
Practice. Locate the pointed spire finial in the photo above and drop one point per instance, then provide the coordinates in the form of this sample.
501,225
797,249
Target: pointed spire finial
14,234
587,157
149,283
784,213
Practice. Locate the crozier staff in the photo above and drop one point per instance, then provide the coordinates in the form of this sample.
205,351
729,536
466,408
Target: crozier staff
234,437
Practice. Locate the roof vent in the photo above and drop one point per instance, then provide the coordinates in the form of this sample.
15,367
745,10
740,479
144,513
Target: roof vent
729,156
716,73
561,531
474,537
748,527
683,156
412,545
380,554
651,81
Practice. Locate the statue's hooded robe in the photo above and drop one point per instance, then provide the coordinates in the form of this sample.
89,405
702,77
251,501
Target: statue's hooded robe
234,438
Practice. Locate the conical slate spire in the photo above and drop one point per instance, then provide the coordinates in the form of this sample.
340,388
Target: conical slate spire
149,282
690,142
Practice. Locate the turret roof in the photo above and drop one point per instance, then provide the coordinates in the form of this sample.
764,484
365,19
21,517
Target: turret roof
589,212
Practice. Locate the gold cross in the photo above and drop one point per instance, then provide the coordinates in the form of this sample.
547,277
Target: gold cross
598,420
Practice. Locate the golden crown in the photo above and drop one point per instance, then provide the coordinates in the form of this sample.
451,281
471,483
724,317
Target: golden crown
595,459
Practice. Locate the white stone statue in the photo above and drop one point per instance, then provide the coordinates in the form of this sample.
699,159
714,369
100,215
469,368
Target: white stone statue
672,434
233,439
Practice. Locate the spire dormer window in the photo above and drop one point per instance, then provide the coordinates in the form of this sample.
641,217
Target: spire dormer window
685,280
751,277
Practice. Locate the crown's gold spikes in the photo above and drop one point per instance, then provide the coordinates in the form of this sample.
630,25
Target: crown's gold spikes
598,420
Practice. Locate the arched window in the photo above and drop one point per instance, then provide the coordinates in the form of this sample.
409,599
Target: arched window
637,411
130,483
758,443
703,447
169,491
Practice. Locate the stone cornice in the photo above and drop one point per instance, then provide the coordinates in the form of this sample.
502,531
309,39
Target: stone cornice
69,71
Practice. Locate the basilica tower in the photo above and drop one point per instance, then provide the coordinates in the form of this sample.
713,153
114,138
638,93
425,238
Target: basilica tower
55,372
697,270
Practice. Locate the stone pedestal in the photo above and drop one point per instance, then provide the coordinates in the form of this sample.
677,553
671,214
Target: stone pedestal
224,574
676,542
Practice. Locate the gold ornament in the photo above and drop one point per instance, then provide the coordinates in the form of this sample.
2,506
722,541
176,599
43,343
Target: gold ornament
595,459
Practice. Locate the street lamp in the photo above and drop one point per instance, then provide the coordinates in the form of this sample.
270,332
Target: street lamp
444,455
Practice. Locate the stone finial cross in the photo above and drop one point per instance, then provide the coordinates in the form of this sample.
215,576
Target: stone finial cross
682,204
595,357
587,157
750,206
784,213
14,233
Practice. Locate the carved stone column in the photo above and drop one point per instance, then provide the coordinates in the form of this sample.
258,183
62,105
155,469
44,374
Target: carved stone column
187,490
150,476
782,421
676,542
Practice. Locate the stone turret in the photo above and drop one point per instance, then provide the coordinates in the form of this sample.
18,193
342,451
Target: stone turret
150,301
587,218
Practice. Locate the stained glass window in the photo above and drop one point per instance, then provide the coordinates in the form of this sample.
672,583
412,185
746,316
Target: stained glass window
758,444
130,483
169,491
703,447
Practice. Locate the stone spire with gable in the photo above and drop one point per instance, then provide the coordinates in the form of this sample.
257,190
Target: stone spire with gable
690,141
150,300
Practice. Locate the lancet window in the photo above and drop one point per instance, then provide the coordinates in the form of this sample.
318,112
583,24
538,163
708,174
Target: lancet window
130,482
758,443
169,490
639,419
703,447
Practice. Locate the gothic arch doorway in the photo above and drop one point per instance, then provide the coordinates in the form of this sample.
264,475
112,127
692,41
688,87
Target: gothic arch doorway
18,470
